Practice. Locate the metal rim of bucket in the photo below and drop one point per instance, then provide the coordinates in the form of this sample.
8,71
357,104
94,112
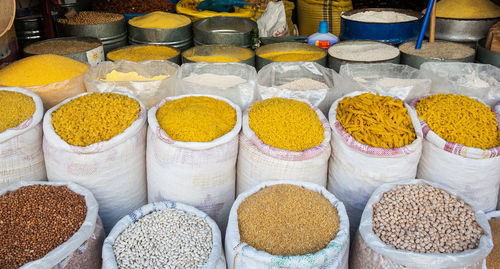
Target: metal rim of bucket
102,31
153,35
246,60
486,56
210,36
409,12
360,62
415,60
178,52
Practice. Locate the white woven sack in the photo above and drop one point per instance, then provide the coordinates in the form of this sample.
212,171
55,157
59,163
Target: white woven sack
216,259
356,170
21,155
370,252
200,174
114,170
86,241
473,172
240,255
259,162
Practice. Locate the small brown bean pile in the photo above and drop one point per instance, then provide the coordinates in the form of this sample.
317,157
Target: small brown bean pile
133,6
424,219
493,260
286,219
60,47
91,17
36,219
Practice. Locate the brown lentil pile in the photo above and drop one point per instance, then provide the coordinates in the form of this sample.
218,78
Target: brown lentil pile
133,6
60,47
438,50
493,260
91,17
421,218
35,220
286,219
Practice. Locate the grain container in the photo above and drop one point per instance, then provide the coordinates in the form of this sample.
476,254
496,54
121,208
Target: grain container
486,56
289,52
463,30
224,30
29,29
139,53
439,51
219,53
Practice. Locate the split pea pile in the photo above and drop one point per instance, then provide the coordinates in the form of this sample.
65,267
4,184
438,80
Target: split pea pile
287,220
424,219
15,108
94,118
168,238
35,220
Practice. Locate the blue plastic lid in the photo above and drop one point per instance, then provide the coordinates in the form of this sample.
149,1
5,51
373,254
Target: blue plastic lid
323,27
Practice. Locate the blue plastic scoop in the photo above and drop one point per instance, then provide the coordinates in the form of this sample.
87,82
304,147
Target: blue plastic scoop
424,24
221,5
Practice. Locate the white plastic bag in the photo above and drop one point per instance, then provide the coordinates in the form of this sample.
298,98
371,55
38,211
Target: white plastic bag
216,259
114,170
259,162
82,250
272,76
242,94
21,155
397,80
272,23
473,172
370,252
200,174
356,170
476,80
149,92
240,255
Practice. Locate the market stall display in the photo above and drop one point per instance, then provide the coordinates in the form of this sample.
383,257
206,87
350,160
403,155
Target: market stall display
224,30
439,51
219,54
138,53
289,52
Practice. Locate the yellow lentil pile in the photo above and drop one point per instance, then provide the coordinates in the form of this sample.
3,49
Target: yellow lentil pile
377,121
94,118
460,119
160,20
293,56
213,59
286,220
196,118
466,9
40,70
15,108
143,53
493,260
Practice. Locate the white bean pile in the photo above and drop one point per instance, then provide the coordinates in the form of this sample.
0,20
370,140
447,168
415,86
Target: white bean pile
424,219
168,238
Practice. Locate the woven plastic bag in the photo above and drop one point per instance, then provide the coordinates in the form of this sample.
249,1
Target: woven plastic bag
397,80
83,249
356,170
114,170
149,92
476,80
259,162
370,252
21,155
216,259
200,174
240,255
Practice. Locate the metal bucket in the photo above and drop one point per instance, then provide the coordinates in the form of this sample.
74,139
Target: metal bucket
224,30
28,30
486,56
463,30
175,59
415,60
180,37
91,56
245,55
285,46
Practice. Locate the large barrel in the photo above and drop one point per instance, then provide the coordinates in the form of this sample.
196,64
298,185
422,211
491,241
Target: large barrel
29,29
223,30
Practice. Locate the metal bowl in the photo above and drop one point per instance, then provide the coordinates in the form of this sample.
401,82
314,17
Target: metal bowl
486,56
285,46
175,59
81,56
463,30
245,55
223,30
180,37
415,60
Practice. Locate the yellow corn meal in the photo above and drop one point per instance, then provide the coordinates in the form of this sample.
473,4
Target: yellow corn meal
15,108
160,20
466,9
286,124
130,76
40,70
94,118
213,59
460,119
293,56
377,121
143,53
196,118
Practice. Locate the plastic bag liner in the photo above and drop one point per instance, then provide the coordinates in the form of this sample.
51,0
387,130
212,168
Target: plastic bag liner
272,76
355,170
114,170
476,80
216,258
200,174
382,256
21,155
240,255
497,107
258,162
149,92
242,94
460,167
397,80
78,241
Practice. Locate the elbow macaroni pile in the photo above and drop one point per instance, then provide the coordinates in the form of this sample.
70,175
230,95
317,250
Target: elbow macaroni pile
15,108
377,121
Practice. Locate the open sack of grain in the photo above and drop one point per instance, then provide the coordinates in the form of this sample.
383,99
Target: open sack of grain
21,155
435,228
164,235
283,139
98,140
191,153
493,260
461,146
375,140
149,81
306,81
287,224
60,228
